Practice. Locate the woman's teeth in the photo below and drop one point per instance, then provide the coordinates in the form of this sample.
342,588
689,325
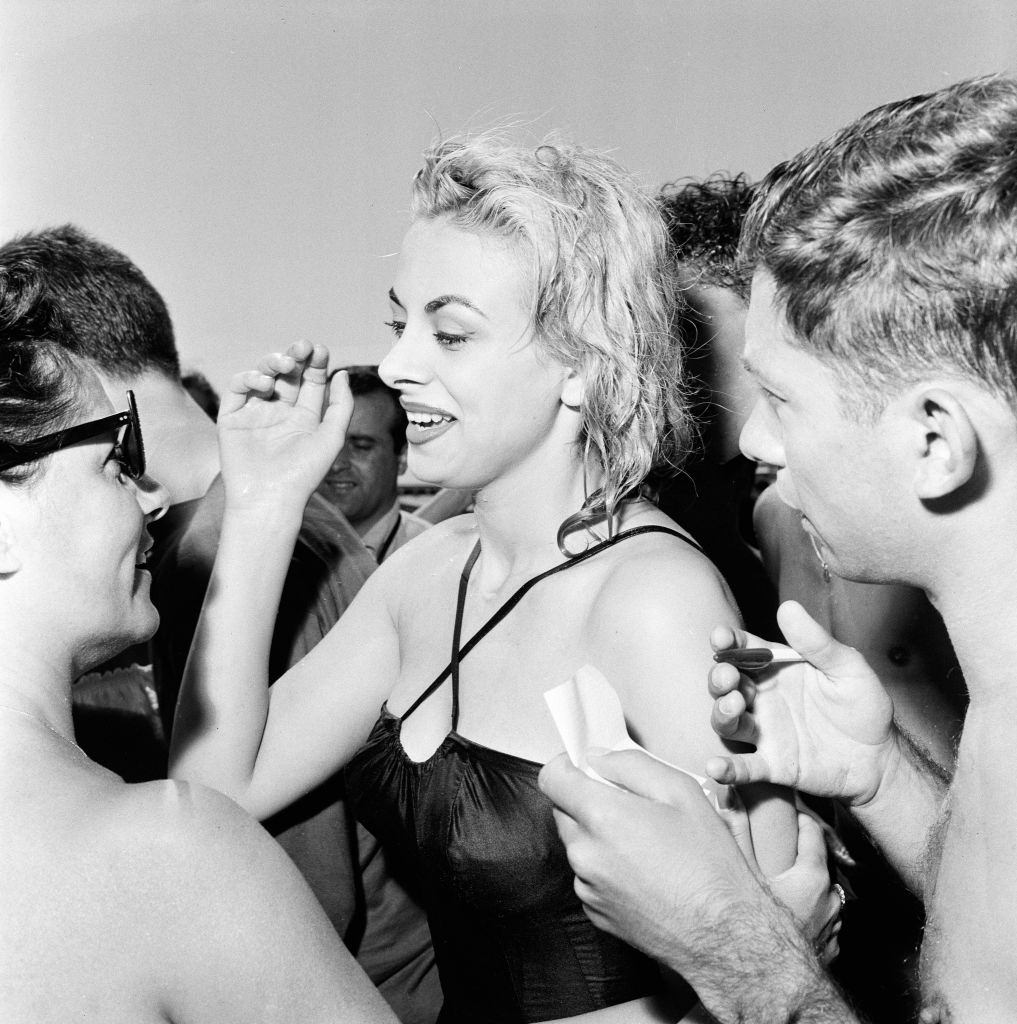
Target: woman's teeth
428,419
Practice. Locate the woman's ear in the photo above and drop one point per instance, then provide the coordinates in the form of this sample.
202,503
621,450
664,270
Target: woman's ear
947,448
572,389
10,560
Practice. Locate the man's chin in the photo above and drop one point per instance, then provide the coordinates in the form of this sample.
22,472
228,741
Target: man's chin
344,499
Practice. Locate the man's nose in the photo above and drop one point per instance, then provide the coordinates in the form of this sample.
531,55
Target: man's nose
759,439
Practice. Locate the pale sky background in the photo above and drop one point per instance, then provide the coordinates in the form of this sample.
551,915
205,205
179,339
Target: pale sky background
253,157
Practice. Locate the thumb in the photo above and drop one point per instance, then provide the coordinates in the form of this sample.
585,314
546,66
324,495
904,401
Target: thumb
811,841
339,410
814,643
643,775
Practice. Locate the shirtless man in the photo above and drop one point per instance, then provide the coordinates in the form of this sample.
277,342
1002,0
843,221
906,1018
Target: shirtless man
881,331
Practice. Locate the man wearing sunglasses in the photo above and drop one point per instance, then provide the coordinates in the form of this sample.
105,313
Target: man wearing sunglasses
119,324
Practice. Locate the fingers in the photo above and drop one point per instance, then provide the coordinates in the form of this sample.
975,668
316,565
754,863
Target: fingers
645,776
297,376
566,786
252,382
739,769
311,383
811,841
734,815
731,718
339,408
723,638
723,679
827,945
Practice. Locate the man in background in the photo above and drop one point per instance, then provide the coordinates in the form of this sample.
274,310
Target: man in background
712,495
363,482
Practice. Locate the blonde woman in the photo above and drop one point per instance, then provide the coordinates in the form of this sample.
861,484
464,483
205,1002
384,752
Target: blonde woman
531,309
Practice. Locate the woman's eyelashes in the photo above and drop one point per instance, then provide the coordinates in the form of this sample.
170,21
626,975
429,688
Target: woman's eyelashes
449,340
444,338
117,459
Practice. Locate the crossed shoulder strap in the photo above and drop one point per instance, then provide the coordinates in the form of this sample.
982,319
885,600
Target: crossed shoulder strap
460,652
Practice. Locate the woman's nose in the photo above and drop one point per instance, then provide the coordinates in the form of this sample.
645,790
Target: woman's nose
405,361
153,498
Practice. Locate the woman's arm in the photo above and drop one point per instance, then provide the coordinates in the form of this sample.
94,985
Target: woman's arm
649,634
279,427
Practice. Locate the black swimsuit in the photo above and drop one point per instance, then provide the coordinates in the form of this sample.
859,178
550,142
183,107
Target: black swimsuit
511,939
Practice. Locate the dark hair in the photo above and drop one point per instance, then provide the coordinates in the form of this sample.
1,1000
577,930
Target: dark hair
364,380
37,374
112,316
893,243
704,221
197,386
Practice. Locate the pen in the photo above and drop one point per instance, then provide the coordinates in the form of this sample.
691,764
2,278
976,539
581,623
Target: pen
753,659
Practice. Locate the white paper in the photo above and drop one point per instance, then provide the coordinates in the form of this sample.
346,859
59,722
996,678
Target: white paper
589,718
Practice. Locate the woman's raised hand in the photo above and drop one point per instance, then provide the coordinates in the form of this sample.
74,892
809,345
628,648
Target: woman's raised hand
281,426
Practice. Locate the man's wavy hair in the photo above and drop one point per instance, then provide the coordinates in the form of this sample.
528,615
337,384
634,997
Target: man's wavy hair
603,296
112,315
893,243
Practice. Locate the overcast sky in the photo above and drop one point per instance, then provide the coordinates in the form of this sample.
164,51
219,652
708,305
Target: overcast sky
254,157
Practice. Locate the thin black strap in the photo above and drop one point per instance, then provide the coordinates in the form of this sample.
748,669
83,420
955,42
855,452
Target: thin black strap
457,630
387,543
459,653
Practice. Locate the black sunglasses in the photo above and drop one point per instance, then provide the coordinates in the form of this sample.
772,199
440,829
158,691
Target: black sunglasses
129,449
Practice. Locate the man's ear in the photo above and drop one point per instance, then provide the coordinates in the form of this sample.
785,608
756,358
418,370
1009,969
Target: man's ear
572,389
10,560
947,445
402,461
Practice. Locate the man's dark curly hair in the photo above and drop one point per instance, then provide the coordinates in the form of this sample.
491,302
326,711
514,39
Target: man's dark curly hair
704,220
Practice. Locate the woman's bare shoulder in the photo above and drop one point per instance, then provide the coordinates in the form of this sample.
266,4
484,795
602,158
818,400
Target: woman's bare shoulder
205,897
433,552
659,570
172,821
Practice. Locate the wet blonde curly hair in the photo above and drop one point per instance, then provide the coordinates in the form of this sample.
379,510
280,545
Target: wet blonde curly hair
604,296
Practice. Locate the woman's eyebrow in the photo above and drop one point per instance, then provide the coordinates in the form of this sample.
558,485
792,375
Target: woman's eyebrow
442,300
451,300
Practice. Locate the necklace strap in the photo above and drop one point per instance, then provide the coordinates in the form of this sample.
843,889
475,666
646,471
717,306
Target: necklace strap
38,721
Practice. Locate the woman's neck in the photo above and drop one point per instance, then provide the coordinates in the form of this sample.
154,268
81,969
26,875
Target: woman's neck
518,519
34,686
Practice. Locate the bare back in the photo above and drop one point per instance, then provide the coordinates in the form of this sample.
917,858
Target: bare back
152,903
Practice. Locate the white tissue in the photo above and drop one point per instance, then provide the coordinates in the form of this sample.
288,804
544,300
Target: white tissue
589,718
